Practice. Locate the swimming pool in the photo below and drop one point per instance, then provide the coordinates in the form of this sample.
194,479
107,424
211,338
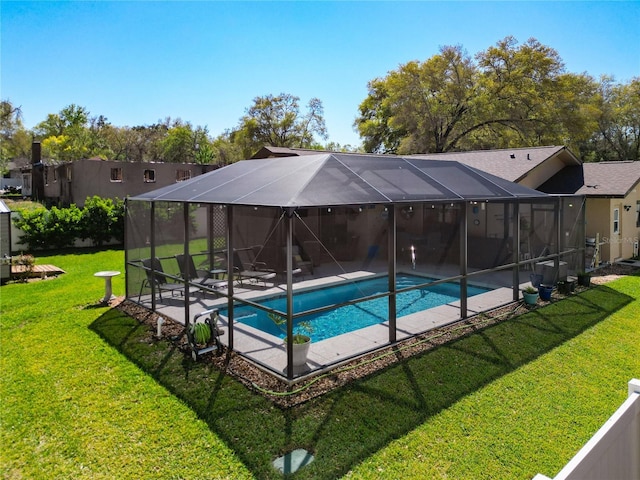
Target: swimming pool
352,317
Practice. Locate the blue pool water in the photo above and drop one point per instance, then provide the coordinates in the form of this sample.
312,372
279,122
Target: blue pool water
352,317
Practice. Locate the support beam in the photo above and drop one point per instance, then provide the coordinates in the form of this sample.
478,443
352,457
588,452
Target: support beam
516,251
187,272
391,240
557,211
463,260
152,239
289,294
230,274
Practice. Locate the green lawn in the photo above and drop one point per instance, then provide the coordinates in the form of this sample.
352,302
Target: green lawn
83,396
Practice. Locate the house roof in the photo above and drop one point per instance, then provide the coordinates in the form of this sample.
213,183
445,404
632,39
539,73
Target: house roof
269,151
4,208
332,179
602,179
512,164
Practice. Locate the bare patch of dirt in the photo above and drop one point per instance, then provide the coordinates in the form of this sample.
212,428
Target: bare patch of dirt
612,272
287,395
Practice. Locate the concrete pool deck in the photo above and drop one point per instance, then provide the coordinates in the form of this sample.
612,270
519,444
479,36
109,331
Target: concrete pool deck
269,352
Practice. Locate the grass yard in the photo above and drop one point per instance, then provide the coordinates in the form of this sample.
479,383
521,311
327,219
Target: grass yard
83,396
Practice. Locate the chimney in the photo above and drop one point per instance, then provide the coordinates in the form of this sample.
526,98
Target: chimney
37,172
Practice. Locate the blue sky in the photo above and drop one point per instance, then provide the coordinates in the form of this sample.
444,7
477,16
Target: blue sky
204,62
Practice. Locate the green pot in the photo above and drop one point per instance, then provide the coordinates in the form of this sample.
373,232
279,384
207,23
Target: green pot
530,298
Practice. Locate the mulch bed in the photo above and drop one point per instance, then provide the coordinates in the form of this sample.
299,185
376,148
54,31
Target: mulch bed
287,395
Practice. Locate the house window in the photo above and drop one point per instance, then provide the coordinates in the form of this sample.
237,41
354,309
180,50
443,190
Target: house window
638,213
116,174
616,220
182,175
55,174
149,176
69,173
46,176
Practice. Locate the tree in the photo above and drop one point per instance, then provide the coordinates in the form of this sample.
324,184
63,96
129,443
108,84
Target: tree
617,135
65,135
510,95
277,121
15,141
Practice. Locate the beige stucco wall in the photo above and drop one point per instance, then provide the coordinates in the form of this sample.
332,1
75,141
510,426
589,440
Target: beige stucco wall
543,172
599,212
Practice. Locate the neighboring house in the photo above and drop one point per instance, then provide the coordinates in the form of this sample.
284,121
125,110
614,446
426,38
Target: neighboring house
613,204
611,188
271,152
13,175
73,182
612,207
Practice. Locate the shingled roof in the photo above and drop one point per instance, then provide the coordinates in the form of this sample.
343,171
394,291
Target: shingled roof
512,164
602,179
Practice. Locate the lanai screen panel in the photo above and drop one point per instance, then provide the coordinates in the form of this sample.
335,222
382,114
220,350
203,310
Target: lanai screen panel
490,235
138,243
428,239
339,179
397,179
572,235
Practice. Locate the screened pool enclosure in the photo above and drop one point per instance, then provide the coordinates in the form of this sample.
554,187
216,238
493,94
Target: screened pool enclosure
435,241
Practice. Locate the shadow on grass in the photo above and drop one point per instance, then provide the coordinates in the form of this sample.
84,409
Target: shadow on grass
349,424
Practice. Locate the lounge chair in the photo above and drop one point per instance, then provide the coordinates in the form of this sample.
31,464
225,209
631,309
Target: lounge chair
156,277
253,271
300,266
199,276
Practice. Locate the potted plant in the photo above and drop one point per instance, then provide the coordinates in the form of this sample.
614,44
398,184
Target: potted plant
566,287
530,295
301,339
545,292
584,279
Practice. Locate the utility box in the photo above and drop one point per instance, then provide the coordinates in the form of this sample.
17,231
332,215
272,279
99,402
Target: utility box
5,242
549,274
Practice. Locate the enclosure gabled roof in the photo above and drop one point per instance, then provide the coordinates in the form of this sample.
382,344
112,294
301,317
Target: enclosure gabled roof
332,179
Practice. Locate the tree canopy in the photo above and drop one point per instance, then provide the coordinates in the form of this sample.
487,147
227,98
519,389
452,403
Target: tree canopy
510,95
277,121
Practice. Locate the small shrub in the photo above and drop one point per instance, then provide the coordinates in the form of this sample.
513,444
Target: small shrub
100,220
